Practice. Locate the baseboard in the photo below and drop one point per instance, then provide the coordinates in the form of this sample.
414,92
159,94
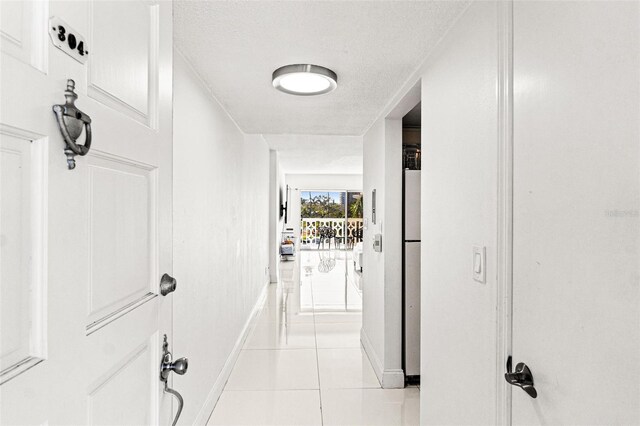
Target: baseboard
389,379
221,381
393,379
371,354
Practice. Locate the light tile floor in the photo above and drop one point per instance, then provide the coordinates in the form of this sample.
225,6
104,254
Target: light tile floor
302,364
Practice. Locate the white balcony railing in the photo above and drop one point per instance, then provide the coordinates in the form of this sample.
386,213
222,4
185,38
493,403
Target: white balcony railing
310,232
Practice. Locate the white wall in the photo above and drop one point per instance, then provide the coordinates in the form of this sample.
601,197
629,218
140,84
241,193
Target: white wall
221,228
576,153
459,184
325,181
318,154
373,301
458,85
382,272
277,195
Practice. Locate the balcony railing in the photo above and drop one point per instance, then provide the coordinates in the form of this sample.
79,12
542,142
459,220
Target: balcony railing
310,237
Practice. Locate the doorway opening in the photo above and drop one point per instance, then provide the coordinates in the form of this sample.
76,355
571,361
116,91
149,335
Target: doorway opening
330,219
331,226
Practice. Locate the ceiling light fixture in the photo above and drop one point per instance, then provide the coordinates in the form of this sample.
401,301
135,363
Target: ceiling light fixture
304,79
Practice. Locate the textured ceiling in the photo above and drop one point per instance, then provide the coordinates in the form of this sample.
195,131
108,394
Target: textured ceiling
372,46
313,154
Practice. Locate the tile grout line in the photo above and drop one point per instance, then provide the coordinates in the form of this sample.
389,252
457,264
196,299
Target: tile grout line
315,336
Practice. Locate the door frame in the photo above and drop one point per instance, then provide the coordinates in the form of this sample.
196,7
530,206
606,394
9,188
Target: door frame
504,290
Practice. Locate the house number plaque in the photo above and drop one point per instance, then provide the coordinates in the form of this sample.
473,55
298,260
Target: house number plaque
68,40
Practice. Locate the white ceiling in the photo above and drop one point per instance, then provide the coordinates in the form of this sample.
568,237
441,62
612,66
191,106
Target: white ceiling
315,154
373,46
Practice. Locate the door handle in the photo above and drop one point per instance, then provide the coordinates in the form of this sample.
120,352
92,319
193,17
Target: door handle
167,365
168,284
521,377
179,366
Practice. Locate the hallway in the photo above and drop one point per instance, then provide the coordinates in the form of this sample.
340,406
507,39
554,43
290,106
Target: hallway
181,182
303,363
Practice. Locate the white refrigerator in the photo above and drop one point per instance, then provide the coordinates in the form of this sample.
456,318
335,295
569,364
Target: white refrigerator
411,277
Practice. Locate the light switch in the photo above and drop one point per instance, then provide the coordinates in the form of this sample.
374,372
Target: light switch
479,264
377,243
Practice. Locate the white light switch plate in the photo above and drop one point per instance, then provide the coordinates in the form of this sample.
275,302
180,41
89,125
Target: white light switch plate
377,243
479,264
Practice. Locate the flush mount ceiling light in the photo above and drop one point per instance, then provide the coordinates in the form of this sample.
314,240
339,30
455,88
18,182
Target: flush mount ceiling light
304,79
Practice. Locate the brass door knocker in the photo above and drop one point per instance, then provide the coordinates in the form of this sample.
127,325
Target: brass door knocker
71,121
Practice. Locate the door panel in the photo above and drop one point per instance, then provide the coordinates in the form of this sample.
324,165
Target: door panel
124,377
126,386
123,253
21,245
86,247
16,307
576,201
125,79
23,31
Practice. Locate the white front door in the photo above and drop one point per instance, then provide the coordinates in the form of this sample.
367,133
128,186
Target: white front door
83,250
576,301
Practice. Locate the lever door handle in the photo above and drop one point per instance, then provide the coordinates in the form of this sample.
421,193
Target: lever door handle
521,377
177,395
167,365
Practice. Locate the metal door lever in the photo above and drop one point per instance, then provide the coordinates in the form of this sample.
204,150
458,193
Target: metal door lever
521,377
167,365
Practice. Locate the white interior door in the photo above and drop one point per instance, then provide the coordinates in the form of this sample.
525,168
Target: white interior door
576,201
83,250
